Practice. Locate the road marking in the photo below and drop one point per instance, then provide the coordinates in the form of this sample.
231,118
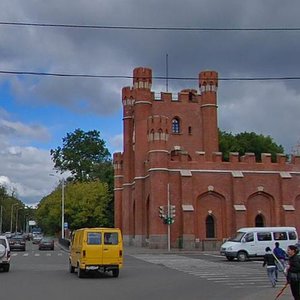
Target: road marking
233,275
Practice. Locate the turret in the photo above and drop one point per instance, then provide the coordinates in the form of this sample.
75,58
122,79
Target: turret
142,78
208,84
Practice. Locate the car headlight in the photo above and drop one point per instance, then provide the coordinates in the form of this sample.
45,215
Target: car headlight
229,248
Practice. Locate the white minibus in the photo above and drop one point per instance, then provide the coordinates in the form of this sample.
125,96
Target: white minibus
251,242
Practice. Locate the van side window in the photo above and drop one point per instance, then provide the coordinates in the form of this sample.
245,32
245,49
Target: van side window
264,236
280,236
111,238
249,237
94,238
292,235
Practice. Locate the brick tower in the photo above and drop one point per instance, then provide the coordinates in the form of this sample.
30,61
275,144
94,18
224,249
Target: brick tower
170,156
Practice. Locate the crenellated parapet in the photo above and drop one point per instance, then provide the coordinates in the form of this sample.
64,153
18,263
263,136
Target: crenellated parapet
128,100
118,162
208,81
249,159
142,78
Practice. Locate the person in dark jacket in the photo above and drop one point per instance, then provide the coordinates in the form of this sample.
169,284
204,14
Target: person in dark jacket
281,259
293,271
269,261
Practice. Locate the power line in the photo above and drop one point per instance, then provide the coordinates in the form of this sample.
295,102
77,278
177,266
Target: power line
153,28
29,73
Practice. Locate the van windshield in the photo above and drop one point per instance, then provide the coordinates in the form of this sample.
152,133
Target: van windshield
237,238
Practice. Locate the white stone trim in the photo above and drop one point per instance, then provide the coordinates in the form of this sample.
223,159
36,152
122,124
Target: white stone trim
285,175
239,207
186,173
288,207
187,207
237,174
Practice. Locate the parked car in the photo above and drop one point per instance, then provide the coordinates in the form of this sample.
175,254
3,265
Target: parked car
36,238
17,242
4,253
8,234
46,243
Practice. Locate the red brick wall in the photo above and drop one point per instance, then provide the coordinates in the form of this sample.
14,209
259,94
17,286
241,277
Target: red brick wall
200,184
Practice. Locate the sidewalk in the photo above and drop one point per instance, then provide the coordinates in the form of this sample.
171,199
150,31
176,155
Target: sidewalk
265,294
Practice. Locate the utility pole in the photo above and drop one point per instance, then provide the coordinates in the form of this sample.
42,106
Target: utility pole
167,214
169,225
1,220
11,216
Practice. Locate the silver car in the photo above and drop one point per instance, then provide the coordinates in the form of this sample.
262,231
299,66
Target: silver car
4,254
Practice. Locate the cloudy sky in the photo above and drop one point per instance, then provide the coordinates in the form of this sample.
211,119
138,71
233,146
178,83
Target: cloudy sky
36,112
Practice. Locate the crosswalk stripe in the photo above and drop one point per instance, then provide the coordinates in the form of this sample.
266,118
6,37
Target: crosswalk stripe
228,274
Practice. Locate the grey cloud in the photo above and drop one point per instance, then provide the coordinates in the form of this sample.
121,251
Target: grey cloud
267,107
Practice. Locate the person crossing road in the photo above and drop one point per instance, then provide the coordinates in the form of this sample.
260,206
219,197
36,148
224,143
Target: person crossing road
269,261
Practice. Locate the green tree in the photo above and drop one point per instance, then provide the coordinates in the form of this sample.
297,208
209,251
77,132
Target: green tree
9,203
86,205
83,154
248,142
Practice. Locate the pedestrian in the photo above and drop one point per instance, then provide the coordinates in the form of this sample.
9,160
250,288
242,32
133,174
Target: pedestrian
269,261
280,259
293,271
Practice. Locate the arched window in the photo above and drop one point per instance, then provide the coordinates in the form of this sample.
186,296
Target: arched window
175,125
259,221
210,227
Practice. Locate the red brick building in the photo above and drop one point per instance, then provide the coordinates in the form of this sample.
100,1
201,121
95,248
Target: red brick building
171,154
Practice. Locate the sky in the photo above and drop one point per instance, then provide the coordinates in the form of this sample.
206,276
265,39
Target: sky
37,112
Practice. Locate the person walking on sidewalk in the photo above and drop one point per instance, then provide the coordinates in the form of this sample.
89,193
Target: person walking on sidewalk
293,271
269,261
281,257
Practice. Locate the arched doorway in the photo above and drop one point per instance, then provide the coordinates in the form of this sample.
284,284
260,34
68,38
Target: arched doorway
259,221
210,227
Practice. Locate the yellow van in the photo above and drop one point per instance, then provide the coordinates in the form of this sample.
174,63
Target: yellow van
96,249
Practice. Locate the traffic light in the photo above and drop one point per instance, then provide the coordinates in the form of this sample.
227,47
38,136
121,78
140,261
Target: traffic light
161,212
172,211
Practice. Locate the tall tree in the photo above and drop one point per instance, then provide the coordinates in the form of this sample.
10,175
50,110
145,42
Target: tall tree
86,205
248,142
83,154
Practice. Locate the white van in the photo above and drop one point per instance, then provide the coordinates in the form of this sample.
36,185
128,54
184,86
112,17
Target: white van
252,241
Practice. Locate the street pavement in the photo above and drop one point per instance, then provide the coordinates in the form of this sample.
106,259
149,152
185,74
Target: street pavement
261,294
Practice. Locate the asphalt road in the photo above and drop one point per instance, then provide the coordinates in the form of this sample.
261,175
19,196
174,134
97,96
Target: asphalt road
44,275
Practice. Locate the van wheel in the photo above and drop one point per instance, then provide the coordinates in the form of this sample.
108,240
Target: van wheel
242,256
71,268
115,272
80,272
230,258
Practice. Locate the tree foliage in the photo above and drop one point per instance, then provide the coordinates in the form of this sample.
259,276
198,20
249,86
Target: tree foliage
248,142
83,154
9,204
86,205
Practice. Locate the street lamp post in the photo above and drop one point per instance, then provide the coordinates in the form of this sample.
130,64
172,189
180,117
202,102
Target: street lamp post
17,210
62,180
11,216
1,216
63,208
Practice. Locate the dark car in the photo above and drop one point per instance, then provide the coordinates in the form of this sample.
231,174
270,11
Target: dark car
17,242
46,243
